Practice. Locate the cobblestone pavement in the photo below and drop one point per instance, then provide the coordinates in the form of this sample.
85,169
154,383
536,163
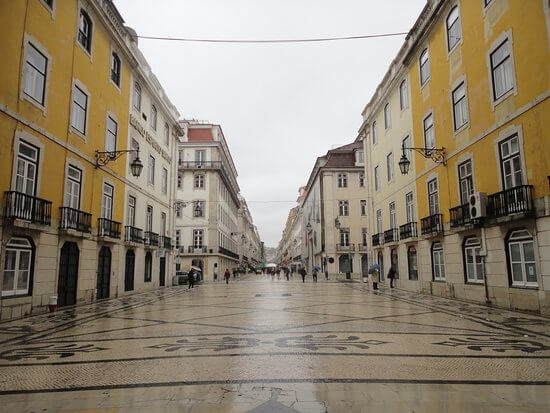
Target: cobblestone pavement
262,345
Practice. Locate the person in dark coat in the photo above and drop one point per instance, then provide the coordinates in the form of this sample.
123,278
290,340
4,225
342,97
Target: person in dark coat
287,274
227,275
391,275
303,273
191,279
314,272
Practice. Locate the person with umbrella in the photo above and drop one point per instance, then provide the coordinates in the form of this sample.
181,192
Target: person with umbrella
315,271
191,278
374,270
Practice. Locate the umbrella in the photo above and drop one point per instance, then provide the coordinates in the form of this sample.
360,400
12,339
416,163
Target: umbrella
271,265
316,267
196,268
373,268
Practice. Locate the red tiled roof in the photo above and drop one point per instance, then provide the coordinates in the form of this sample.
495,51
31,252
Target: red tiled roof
200,135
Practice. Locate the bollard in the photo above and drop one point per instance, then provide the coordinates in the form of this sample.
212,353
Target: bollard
53,303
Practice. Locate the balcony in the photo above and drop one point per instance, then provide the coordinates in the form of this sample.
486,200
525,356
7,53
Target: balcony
377,239
108,228
74,219
362,247
133,234
345,247
432,225
198,249
18,205
408,230
151,238
460,215
231,254
391,235
515,200
166,242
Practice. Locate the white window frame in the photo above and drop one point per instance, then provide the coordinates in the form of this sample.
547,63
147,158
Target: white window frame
198,238
114,54
505,37
154,117
404,95
475,270
379,221
72,128
363,207
409,206
107,201
89,51
199,181
111,146
387,116
460,107
465,177
361,179
164,181
137,95
19,246
131,211
149,212
389,166
457,21
21,182
72,183
343,208
521,238
374,133
509,158
151,170
342,180
433,204
429,132
423,80
393,216
377,178
30,42
438,261
345,237
166,134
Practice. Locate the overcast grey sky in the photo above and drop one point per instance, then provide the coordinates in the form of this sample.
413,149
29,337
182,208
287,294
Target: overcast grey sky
280,105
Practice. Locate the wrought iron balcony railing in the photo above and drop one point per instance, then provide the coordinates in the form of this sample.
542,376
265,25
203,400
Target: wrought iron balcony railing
511,201
377,239
108,228
391,235
362,247
345,247
432,225
408,230
133,234
165,242
18,205
151,238
74,219
460,215
197,249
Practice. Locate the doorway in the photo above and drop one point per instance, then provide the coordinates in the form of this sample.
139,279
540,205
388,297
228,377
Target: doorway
364,266
129,270
162,271
103,273
68,274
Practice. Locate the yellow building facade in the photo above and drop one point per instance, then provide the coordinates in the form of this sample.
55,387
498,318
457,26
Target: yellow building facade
479,83
64,94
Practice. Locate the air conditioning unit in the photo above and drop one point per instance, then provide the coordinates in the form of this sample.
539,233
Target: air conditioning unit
478,205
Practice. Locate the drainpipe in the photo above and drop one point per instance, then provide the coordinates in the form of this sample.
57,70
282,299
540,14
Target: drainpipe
483,254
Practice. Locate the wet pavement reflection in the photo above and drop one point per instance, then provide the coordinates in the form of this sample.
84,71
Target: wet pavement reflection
263,345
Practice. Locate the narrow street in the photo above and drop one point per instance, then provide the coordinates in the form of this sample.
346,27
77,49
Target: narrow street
263,345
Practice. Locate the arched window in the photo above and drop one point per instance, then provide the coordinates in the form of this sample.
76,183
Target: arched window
148,267
18,267
521,258
438,262
412,263
115,68
404,95
453,28
85,31
395,261
424,62
153,117
137,96
387,116
473,261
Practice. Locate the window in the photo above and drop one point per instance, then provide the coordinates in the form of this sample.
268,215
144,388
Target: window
374,133
344,237
409,205
136,98
393,219
131,218
199,181
394,261
115,68
424,67
166,134
148,267
502,70
17,267
521,256
453,28
72,187
200,157
465,181
107,201
387,116
49,3
198,238
429,132
151,171
380,258
360,157
510,162
180,181
376,178
27,168
343,208
163,224
110,140
473,261
406,143
389,166
379,221
460,106
178,238
403,95
85,31
34,85
342,180
164,180
80,110
364,237
433,197
412,263
361,180
438,262
363,207
198,209
179,212
154,117
149,219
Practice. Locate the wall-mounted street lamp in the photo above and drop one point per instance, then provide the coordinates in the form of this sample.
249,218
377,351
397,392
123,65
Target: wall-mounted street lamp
435,154
182,204
103,158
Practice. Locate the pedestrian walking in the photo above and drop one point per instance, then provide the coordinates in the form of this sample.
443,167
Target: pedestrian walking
287,274
215,274
314,273
303,273
227,275
391,275
278,273
375,279
191,279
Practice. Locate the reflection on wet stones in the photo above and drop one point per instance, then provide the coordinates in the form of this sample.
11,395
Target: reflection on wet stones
204,343
311,342
46,351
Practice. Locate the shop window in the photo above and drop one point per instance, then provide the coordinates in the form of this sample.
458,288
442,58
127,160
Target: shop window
18,267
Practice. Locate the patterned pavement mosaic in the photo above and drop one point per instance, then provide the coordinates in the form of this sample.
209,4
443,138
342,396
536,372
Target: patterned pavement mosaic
265,345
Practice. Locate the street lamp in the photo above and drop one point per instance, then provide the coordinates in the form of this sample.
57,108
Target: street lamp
435,154
103,158
308,227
